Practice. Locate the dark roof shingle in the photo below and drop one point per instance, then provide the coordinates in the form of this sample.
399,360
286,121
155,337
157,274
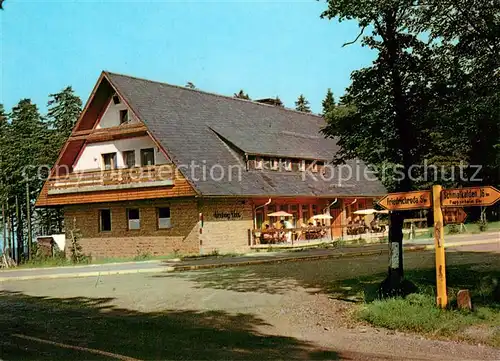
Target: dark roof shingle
195,126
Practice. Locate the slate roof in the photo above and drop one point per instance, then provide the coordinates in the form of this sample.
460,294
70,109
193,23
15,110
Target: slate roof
209,129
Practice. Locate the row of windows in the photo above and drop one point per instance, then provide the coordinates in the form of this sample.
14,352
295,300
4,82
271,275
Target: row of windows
134,219
286,164
147,158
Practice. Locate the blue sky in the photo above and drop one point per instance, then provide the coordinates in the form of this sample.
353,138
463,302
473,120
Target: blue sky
268,48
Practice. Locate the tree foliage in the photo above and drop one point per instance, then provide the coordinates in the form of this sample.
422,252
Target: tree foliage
302,104
278,102
241,95
29,144
64,108
431,91
328,104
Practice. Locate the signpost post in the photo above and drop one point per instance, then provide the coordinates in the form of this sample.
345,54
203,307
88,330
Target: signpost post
442,297
397,202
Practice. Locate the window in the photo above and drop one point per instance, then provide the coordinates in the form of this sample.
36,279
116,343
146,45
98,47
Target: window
164,218
124,116
305,213
259,163
302,165
274,164
147,157
134,219
109,161
129,158
295,212
312,166
105,220
287,164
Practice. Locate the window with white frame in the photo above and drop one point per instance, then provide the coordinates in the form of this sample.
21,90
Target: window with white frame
274,164
133,218
109,161
124,118
314,166
147,157
259,163
129,158
287,164
302,165
164,218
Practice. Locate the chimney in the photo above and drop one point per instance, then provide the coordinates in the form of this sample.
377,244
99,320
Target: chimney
271,101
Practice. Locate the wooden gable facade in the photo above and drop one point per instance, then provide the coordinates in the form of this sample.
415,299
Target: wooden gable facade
68,184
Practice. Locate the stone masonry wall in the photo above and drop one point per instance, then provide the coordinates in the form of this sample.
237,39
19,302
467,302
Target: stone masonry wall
182,237
226,225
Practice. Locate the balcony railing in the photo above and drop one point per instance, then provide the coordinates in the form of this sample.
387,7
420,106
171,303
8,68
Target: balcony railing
127,178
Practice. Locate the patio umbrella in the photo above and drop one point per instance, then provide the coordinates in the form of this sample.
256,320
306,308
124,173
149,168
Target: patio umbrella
366,211
370,211
322,216
280,214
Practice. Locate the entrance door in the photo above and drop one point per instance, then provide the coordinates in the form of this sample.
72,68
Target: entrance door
336,223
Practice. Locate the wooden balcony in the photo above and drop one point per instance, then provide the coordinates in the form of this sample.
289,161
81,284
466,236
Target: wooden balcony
115,179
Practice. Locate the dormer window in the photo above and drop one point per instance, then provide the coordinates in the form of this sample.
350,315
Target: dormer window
287,164
312,166
259,163
302,165
274,164
124,116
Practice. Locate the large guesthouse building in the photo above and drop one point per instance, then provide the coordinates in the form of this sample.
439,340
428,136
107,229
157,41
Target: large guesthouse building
152,168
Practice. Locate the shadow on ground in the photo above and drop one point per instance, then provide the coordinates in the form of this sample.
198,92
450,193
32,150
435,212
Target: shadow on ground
352,279
97,324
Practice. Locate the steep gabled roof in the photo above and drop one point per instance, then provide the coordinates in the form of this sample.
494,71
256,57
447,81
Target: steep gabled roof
210,129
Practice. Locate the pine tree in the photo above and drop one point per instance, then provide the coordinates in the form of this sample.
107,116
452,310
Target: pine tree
328,103
302,104
241,95
64,108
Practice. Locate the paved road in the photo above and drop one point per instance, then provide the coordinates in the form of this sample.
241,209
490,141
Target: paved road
292,311
255,258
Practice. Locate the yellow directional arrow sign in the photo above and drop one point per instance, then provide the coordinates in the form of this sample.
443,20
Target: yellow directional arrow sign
468,197
407,200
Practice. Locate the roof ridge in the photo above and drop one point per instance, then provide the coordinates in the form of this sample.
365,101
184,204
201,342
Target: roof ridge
214,94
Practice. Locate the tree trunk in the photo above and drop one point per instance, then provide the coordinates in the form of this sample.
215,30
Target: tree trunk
393,284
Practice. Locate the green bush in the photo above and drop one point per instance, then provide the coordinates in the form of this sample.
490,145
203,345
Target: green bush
483,225
453,229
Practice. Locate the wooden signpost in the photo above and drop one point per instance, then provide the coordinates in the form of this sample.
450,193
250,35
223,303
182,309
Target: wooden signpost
468,197
441,200
454,215
406,201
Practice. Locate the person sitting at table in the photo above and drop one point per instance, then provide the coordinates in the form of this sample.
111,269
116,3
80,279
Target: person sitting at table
267,235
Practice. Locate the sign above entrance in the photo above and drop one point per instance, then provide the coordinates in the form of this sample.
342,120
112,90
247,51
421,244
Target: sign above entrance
406,201
468,197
